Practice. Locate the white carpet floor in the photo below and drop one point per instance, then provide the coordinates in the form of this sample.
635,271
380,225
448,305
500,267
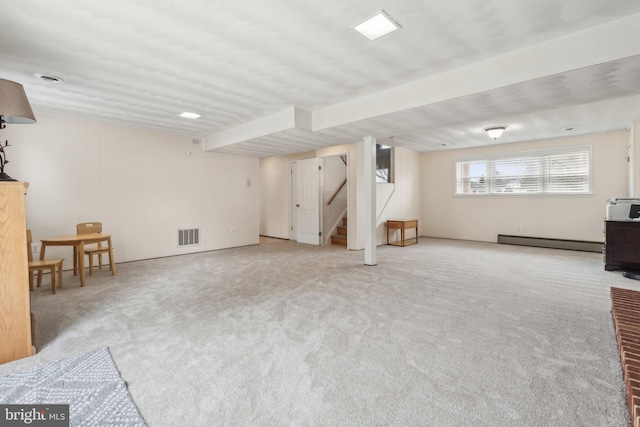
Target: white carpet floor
443,333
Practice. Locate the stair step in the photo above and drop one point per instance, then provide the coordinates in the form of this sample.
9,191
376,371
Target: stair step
339,240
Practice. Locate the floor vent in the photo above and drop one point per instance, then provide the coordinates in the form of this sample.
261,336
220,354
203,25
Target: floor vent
573,245
188,237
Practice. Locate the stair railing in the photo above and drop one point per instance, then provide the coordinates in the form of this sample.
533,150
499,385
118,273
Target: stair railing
335,194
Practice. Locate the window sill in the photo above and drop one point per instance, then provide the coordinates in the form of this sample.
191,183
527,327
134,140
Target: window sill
549,195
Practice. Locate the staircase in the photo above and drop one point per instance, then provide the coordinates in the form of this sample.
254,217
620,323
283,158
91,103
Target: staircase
341,237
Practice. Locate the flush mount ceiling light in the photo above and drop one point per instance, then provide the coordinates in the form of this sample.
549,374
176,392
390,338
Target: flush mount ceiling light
495,132
188,115
377,26
49,78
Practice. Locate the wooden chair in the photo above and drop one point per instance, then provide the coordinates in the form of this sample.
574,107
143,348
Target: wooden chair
44,264
98,249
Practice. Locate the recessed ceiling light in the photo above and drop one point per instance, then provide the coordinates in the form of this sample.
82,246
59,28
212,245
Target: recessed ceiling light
49,78
568,129
377,26
188,115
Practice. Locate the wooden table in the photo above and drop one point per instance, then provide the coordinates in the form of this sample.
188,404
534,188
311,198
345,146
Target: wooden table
78,241
402,225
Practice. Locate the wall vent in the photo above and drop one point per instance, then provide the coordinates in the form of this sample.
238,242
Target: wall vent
188,237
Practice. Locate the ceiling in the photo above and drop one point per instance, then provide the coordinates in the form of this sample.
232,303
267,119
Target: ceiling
294,76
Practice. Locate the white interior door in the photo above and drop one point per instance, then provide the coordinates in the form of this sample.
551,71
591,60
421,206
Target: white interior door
308,201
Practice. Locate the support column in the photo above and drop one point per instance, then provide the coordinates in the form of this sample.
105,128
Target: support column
369,188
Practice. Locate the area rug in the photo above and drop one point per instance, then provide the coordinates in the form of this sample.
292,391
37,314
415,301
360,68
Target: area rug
89,383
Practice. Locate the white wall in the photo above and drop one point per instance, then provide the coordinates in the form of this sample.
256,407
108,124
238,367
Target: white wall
482,218
400,200
275,194
634,160
140,184
404,201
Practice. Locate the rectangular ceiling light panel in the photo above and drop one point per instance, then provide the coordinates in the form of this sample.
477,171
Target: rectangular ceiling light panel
188,115
377,26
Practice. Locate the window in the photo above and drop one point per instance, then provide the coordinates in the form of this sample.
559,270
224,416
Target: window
560,171
383,163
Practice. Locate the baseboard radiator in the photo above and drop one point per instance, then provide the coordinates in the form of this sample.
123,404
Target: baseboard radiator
541,242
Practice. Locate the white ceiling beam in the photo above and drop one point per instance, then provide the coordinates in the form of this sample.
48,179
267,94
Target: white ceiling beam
290,118
608,42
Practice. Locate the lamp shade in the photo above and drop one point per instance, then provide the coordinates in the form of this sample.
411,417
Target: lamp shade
14,105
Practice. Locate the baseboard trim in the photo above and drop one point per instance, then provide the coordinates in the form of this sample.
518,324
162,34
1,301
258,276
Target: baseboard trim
541,242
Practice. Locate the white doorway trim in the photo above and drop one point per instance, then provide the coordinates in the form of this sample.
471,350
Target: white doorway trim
294,201
327,239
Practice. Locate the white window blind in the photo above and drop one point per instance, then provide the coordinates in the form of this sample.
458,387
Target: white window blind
472,176
561,171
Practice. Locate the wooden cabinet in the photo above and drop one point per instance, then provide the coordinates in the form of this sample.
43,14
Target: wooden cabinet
622,245
15,306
